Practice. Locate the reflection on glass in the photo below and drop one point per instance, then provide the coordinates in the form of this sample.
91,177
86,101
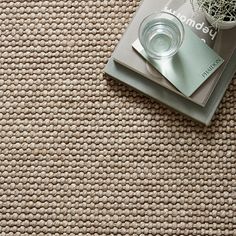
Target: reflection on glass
161,35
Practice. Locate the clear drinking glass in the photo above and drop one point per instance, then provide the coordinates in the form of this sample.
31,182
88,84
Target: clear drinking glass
161,35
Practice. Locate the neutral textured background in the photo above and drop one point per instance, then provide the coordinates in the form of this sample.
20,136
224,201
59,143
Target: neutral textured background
81,154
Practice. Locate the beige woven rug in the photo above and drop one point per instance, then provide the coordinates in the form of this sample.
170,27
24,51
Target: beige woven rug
81,154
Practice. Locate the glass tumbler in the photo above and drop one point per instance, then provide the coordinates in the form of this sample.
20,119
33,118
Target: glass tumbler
161,35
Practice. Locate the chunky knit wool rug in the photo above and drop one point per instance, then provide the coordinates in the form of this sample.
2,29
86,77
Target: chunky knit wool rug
81,154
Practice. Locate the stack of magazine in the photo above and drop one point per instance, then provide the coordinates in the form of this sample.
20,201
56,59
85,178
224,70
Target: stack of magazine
129,67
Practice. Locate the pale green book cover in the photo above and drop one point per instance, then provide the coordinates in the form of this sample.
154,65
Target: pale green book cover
190,66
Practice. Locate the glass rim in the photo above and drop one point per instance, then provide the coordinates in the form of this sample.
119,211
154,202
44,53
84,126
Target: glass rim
157,14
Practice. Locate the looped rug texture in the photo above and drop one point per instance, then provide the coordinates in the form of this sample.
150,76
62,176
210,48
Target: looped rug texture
81,154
